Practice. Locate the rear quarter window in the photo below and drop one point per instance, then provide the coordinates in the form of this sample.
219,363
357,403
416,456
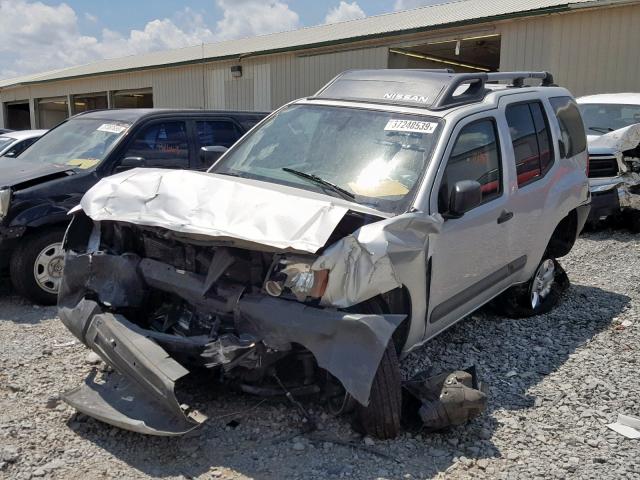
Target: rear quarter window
571,126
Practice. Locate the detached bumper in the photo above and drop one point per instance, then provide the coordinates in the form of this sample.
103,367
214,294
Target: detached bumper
140,395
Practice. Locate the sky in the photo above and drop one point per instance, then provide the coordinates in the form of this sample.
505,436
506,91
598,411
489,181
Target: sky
37,36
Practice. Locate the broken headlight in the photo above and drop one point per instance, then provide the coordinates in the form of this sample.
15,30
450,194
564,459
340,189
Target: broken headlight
295,276
5,200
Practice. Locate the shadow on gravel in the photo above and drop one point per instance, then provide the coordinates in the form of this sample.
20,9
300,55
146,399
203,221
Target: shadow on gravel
16,309
511,356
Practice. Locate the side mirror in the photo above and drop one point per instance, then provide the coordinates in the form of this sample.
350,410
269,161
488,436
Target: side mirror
208,155
128,163
465,195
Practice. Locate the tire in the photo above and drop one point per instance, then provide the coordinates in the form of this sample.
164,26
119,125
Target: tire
381,418
518,301
39,247
632,220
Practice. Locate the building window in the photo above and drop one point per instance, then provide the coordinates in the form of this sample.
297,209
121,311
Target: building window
52,111
133,99
89,101
531,141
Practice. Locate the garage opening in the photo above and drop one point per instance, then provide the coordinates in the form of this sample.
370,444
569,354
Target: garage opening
133,99
52,111
89,101
17,115
467,54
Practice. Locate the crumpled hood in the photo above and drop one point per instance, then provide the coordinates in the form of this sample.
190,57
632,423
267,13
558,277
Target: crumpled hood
217,206
620,140
14,171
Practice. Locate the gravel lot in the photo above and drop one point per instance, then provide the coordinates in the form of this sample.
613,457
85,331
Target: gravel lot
554,381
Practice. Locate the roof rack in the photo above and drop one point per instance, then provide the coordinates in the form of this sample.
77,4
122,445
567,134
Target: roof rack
431,89
477,91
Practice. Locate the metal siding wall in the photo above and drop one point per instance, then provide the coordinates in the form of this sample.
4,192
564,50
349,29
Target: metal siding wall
182,87
593,51
299,76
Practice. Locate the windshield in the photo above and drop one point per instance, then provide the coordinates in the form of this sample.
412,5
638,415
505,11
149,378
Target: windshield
601,118
80,143
371,157
5,142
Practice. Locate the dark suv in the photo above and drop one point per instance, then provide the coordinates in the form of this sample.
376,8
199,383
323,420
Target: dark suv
39,188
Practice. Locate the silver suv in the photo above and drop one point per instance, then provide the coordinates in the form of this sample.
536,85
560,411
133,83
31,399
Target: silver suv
343,231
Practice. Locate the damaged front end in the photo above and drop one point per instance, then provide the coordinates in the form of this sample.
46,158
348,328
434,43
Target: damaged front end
614,170
152,304
273,293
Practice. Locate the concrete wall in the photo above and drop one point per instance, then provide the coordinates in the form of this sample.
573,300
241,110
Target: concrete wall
589,51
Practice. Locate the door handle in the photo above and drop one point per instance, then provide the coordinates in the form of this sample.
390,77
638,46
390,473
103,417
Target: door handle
505,217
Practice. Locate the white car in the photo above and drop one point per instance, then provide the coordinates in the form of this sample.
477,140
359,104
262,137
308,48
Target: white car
13,144
612,123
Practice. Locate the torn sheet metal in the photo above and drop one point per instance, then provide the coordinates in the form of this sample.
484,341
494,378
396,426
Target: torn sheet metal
113,278
444,400
620,140
140,397
378,258
348,345
212,205
626,425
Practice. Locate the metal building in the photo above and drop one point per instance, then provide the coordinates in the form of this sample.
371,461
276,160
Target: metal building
591,46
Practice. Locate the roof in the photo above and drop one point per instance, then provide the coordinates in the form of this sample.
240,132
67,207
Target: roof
134,114
24,134
616,98
424,88
420,19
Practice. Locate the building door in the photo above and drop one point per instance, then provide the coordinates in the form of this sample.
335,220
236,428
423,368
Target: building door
18,116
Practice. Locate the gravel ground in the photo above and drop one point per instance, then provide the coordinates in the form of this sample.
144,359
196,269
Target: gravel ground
555,381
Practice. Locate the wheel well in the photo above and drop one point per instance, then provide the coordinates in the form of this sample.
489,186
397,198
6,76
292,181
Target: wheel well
564,236
398,301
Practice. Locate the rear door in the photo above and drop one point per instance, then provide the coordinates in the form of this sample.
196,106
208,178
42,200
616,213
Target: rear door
531,150
471,261
161,143
212,132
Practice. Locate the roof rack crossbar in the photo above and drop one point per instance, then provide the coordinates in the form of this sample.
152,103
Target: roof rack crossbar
477,90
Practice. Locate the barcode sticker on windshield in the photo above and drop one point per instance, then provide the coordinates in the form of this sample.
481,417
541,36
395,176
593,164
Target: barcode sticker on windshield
111,128
411,126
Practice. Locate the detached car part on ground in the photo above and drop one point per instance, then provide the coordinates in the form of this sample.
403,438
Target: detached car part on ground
38,188
344,231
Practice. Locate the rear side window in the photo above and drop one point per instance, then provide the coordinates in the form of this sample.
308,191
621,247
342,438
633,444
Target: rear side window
475,156
531,140
571,126
213,133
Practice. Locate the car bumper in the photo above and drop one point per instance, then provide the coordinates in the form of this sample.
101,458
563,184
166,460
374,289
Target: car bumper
610,195
9,237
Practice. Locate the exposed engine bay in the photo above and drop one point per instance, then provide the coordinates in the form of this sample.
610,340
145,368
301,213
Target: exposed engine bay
212,306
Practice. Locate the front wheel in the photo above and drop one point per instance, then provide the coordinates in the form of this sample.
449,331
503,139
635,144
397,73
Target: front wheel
539,295
37,265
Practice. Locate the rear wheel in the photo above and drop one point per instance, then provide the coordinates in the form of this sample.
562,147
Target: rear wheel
381,418
539,295
37,266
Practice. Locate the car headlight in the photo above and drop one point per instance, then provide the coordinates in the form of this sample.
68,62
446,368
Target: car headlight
297,278
5,200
